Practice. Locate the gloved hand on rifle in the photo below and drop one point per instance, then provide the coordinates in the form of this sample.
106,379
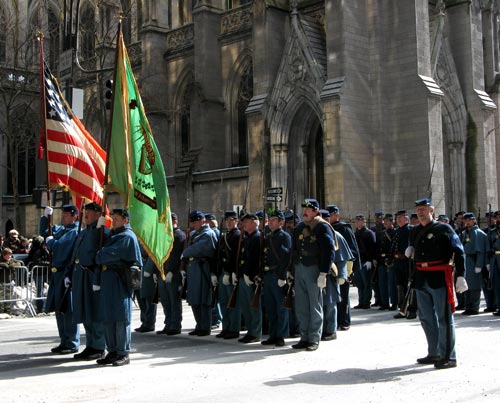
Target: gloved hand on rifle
48,211
461,285
234,277
410,252
248,282
477,270
67,282
321,280
96,287
289,277
226,280
368,265
488,267
169,277
214,280
281,283
147,274
101,222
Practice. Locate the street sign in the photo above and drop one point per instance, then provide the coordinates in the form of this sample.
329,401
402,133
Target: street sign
274,191
276,198
65,65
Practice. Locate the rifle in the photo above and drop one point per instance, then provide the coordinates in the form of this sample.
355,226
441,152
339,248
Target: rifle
410,295
184,262
215,289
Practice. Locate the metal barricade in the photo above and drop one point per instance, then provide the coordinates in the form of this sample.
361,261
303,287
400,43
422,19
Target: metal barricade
16,291
40,280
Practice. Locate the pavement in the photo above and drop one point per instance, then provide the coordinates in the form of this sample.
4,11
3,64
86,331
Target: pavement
374,361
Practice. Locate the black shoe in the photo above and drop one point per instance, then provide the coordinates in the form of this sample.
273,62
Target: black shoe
89,354
280,342
344,327
249,339
497,313
213,327
68,350
231,335
430,359
328,336
193,332
393,307
383,307
203,333
173,332
162,331
312,347
57,349
459,308
411,315
489,310
300,345
365,306
269,342
399,316
221,334
109,359
375,304
469,312
359,306
144,329
121,360
444,364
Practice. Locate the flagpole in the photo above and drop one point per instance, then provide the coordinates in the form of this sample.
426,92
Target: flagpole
43,112
110,127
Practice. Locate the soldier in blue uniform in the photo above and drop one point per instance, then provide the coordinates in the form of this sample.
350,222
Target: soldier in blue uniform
145,295
476,248
201,248
378,230
313,255
170,289
83,275
494,263
344,306
248,271
277,250
389,292
367,245
227,251
61,243
119,254
433,245
336,277
401,265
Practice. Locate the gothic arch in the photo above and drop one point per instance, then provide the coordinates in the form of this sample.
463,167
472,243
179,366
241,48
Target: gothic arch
239,91
181,110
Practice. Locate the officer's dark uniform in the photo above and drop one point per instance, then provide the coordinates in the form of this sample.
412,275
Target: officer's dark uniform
435,245
387,283
367,251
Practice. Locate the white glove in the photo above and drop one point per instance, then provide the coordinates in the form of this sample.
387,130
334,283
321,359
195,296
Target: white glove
147,274
488,267
215,282
281,283
341,281
48,239
461,285
234,278
410,252
67,282
248,282
168,277
368,265
155,277
96,287
322,280
48,211
289,277
226,279
477,270
101,222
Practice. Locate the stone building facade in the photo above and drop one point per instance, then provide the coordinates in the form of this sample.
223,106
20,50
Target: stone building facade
364,104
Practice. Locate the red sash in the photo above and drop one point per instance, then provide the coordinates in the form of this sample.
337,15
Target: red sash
448,276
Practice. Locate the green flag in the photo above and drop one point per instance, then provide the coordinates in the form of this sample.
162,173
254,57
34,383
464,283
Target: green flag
135,168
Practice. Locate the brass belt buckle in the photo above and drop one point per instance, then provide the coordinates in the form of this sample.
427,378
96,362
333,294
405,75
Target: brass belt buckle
54,270
104,267
77,261
425,265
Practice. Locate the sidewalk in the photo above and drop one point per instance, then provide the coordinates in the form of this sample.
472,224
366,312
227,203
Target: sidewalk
372,362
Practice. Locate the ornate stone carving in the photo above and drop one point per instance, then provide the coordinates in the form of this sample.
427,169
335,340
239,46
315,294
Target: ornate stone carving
236,20
298,71
135,53
180,38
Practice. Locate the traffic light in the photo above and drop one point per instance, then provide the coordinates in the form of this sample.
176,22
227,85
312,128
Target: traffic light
109,93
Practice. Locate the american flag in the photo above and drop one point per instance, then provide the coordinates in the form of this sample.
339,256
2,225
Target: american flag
76,161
